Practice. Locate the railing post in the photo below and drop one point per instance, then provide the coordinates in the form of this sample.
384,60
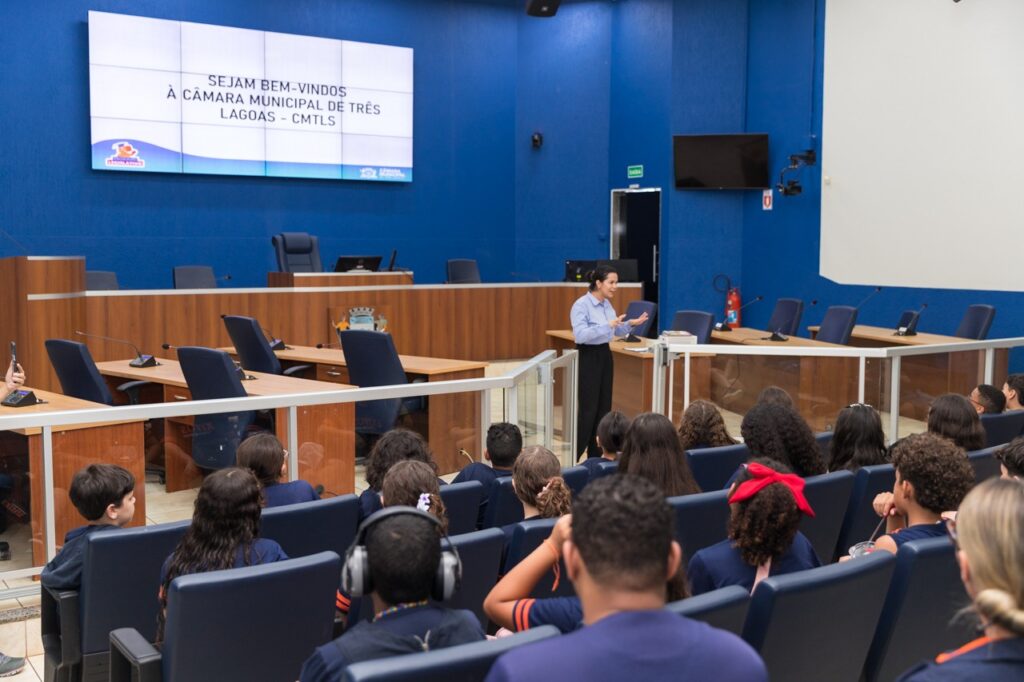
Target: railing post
293,443
861,379
990,358
512,404
894,400
547,381
49,505
686,384
570,398
485,419
658,379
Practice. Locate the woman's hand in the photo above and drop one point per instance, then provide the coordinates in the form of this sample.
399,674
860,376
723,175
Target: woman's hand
637,320
615,322
15,377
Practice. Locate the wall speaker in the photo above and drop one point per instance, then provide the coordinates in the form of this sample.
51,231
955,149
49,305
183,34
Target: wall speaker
542,8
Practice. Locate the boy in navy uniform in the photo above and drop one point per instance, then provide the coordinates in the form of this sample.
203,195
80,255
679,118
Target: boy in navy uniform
504,442
620,555
611,434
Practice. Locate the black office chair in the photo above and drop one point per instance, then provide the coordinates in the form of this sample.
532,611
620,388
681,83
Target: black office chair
79,377
373,361
786,316
297,252
101,280
194,277
211,374
576,478
976,322
837,325
480,554
985,463
253,349
463,271
503,507
696,322
637,308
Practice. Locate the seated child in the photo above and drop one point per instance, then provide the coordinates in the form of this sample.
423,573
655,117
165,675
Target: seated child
105,495
611,432
652,450
702,426
403,553
394,446
263,454
414,484
504,441
1011,459
932,476
538,483
766,503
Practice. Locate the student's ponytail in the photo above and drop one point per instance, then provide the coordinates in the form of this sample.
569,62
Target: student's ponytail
1000,608
434,505
555,499
537,479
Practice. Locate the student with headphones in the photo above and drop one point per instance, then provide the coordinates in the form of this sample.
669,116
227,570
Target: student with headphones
397,559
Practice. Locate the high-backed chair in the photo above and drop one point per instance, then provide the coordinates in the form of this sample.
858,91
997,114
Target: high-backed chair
576,478
976,322
503,507
307,528
1002,428
637,308
985,463
908,321
297,252
462,502
194,277
701,520
211,374
724,608
480,554
786,316
290,605
824,440
919,614
860,519
818,624
254,351
713,467
373,361
837,325
697,322
463,271
455,664
79,377
528,536
101,280
829,497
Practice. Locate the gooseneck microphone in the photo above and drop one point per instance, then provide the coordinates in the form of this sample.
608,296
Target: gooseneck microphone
723,326
328,345
909,327
868,298
141,360
241,372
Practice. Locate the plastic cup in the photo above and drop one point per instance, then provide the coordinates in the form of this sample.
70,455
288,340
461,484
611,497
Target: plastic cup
862,549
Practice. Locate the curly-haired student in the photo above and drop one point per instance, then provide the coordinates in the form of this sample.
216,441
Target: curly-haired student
414,484
780,433
702,426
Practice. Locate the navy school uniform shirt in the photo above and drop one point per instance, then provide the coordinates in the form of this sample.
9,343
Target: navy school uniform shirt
565,613
635,645
593,465
919,531
982,659
721,565
290,492
478,471
263,551
64,572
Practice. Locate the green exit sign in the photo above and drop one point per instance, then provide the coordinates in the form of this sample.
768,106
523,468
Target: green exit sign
634,172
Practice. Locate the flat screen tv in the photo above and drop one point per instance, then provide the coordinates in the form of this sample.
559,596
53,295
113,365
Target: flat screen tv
721,161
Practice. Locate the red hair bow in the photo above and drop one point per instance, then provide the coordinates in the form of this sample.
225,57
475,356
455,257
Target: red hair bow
765,476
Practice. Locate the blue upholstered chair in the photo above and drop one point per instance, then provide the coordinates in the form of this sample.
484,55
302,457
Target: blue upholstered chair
194,277
835,607
1002,428
306,528
713,467
503,507
637,308
976,322
825,445
724,608
101,280
860,519
463,271
829,497
120,576
701,520
908,321
292,602
919,615
454,664
576,478
480,553
373,361
79,377
786,316
837,325
696,322
297,252
985,463
254,351
527,536
211,374
462,502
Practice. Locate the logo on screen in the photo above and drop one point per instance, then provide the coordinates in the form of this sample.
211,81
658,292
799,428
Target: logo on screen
368,173
125,156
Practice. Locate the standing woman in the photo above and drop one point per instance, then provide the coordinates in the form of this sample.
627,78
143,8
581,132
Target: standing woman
594,324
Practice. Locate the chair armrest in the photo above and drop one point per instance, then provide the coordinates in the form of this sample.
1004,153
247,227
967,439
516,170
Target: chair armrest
132,658
297,369
59,626
131,389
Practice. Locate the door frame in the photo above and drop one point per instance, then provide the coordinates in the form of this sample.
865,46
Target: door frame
615,199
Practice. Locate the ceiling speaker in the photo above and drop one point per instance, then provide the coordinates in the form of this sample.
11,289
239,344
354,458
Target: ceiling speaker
542,8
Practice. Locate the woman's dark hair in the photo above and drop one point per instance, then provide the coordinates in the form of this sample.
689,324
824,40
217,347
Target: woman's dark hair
776,396
778,432
952,416
226,518
537,478
599,274
611,431
263,454
395,446
652,450
937,468
857,440
406,481
763,527
1011,456
702,426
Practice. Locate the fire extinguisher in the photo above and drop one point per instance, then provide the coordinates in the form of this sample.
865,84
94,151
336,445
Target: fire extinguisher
733,302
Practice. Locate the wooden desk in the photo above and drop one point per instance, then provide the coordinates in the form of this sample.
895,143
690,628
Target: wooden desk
633,387
326,432
453,421
337,279
74,447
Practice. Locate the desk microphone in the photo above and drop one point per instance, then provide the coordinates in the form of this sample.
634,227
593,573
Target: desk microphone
867,298
328,345
723,326
909,328
140,359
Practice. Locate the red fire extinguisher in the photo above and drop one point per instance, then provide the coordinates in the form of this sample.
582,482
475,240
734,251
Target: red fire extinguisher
732,307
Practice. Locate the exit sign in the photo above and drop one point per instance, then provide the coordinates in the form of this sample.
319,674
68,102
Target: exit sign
634,172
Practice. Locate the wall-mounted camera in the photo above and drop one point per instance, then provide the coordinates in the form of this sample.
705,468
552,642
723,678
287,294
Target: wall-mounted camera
793,187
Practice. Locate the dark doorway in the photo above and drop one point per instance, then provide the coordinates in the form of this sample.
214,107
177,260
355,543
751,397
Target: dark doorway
636,233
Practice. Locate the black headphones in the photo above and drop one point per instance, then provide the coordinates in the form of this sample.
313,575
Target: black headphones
355,573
